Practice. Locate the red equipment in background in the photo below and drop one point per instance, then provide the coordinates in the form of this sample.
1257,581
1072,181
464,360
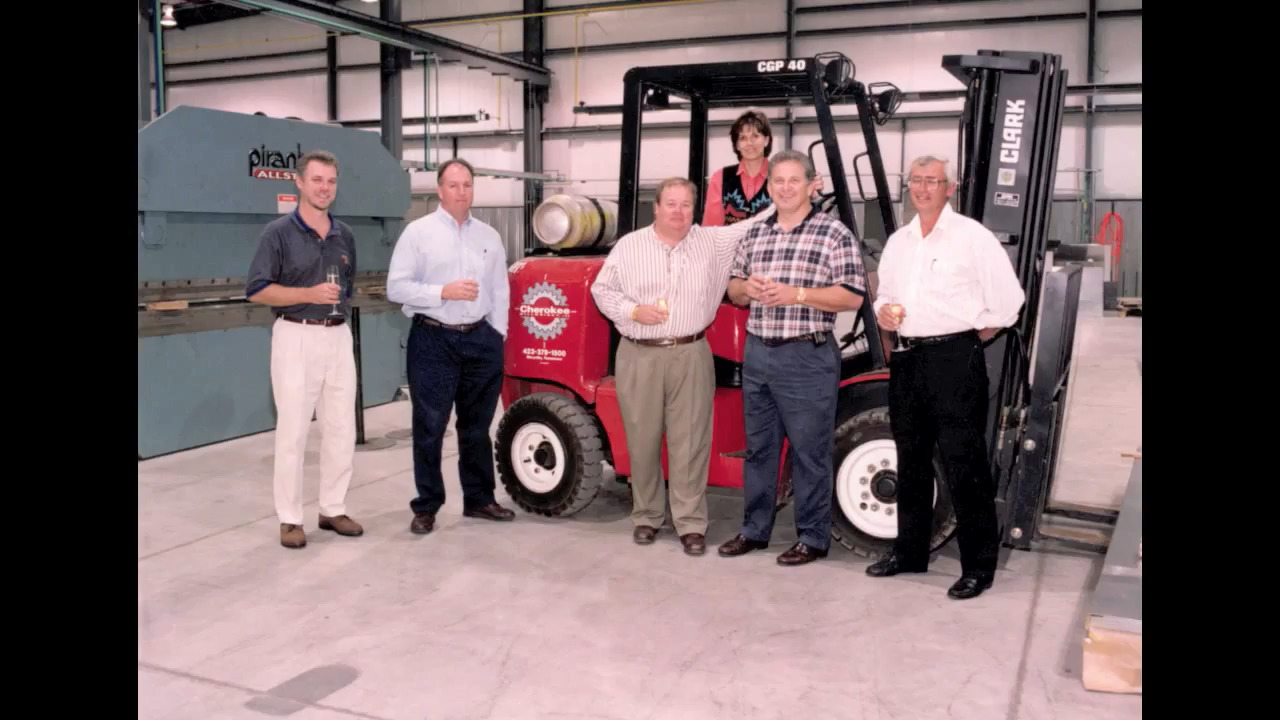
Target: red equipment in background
1112,233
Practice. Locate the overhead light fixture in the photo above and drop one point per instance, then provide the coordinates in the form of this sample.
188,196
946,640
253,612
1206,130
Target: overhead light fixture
166,18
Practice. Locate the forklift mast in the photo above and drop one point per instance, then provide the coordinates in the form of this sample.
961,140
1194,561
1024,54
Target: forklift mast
820,81
1009,139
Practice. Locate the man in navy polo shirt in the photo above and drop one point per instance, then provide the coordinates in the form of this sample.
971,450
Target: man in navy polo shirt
312,359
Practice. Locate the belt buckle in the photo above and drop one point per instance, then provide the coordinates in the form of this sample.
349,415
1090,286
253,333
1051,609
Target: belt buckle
667,342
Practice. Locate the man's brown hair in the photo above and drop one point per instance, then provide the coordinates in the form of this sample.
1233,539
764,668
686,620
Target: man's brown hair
454,161
320,156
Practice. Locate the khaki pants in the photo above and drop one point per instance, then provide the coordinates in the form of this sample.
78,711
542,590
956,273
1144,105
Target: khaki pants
668,389
310,365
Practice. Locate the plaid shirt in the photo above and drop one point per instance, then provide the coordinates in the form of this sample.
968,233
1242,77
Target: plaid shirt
817,253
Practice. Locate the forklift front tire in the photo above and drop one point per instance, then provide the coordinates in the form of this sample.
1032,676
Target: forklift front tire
864,517
549,454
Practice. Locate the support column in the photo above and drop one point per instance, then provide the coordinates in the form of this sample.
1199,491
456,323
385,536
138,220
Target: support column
791,48
144,70
331,65
392,59
158,31
534,98
1090,119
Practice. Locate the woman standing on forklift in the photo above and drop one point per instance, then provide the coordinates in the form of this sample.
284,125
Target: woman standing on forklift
736,192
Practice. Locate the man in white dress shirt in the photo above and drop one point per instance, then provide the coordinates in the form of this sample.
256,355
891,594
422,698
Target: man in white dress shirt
661,286
946,286
449,270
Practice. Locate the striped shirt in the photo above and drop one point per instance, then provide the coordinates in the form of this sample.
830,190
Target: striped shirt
817,253
692,277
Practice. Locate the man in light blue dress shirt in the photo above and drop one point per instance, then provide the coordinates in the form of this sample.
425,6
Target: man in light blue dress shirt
449,271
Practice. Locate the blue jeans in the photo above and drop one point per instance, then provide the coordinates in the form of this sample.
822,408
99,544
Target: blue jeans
449,369
790,390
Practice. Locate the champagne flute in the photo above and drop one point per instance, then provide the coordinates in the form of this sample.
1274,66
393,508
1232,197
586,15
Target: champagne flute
897,311
332,277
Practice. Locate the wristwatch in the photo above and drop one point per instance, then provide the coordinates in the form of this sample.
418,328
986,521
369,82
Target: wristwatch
800,296
633,313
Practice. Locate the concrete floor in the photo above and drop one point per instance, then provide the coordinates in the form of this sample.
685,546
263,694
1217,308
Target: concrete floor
563,619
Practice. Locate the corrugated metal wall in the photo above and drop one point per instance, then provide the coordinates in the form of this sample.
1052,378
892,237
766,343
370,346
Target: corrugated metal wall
508,221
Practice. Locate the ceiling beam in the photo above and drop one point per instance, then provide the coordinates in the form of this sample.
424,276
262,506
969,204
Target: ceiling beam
394,34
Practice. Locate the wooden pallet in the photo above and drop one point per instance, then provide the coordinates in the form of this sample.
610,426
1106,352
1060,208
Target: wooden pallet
1129,306
1112,660
1113,623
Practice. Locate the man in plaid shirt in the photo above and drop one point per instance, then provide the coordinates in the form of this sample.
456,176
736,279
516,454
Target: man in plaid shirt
796,271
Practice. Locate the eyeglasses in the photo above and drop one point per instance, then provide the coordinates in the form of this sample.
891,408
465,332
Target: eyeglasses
929,182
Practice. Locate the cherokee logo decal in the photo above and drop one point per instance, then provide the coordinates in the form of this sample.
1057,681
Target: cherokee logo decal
545,311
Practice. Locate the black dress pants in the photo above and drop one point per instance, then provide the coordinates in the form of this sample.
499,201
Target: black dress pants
938,399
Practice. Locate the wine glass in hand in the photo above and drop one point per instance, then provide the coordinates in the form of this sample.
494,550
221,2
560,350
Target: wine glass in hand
898,312
332,278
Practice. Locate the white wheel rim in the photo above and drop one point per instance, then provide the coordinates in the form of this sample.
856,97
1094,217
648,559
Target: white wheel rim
533,449
854,489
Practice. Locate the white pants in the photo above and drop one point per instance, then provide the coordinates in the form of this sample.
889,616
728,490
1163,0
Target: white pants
313,365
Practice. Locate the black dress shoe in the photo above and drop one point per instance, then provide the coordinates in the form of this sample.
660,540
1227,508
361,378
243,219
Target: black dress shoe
799,554
694,543
970,586
492,511
643,534
740,545
423,523
892,565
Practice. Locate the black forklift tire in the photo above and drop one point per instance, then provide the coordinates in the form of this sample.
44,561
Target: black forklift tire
866,438
559,468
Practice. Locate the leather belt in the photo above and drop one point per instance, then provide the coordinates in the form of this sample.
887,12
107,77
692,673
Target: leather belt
327,321
775,342
670,342
459,328
911,342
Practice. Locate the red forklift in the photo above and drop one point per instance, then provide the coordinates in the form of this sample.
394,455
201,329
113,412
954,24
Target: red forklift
562,420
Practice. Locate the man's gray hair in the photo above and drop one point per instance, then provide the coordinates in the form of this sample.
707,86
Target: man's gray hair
928,159
797,157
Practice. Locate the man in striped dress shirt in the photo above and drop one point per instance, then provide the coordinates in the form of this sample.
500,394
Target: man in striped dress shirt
661,286
796,272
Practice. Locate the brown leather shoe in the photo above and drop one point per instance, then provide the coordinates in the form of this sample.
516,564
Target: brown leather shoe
644,535
799,554
694,543
342,525
492,511
292,536
740,545
423,523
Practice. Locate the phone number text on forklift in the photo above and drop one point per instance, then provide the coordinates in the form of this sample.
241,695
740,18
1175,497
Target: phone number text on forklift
544,353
